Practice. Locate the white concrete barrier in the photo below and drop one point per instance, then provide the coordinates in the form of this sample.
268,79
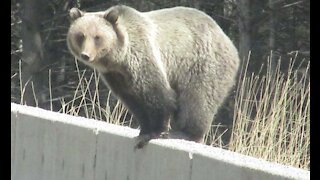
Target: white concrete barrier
52,146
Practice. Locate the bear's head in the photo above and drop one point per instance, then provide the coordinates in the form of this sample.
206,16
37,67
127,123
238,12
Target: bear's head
93,37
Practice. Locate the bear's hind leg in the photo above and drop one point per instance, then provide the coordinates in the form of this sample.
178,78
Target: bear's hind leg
196,109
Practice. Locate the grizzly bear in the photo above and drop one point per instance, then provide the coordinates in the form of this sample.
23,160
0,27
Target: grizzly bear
172,68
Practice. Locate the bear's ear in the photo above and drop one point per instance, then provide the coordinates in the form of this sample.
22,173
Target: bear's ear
112,16
75,13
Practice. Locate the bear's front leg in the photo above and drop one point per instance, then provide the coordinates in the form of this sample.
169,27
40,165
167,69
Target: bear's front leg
157,105
143,139
151,104
153,117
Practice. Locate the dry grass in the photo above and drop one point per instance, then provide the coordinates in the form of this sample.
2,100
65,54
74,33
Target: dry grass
86,101
214,136
272,116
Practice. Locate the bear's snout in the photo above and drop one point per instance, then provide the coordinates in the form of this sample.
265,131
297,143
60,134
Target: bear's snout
84,56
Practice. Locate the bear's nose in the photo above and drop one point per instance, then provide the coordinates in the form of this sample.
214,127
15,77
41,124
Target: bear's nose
84,56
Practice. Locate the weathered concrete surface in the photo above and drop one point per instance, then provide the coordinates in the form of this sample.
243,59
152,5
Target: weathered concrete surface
59,147
13,136
49,145
123,162
221,164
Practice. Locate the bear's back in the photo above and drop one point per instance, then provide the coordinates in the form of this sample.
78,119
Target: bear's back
183,15
180,25
183,29
187,36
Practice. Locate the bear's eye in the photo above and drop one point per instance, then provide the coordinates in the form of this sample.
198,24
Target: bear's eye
97,39
79,38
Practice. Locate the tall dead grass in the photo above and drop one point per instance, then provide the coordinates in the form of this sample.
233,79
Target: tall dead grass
86,101
272,116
